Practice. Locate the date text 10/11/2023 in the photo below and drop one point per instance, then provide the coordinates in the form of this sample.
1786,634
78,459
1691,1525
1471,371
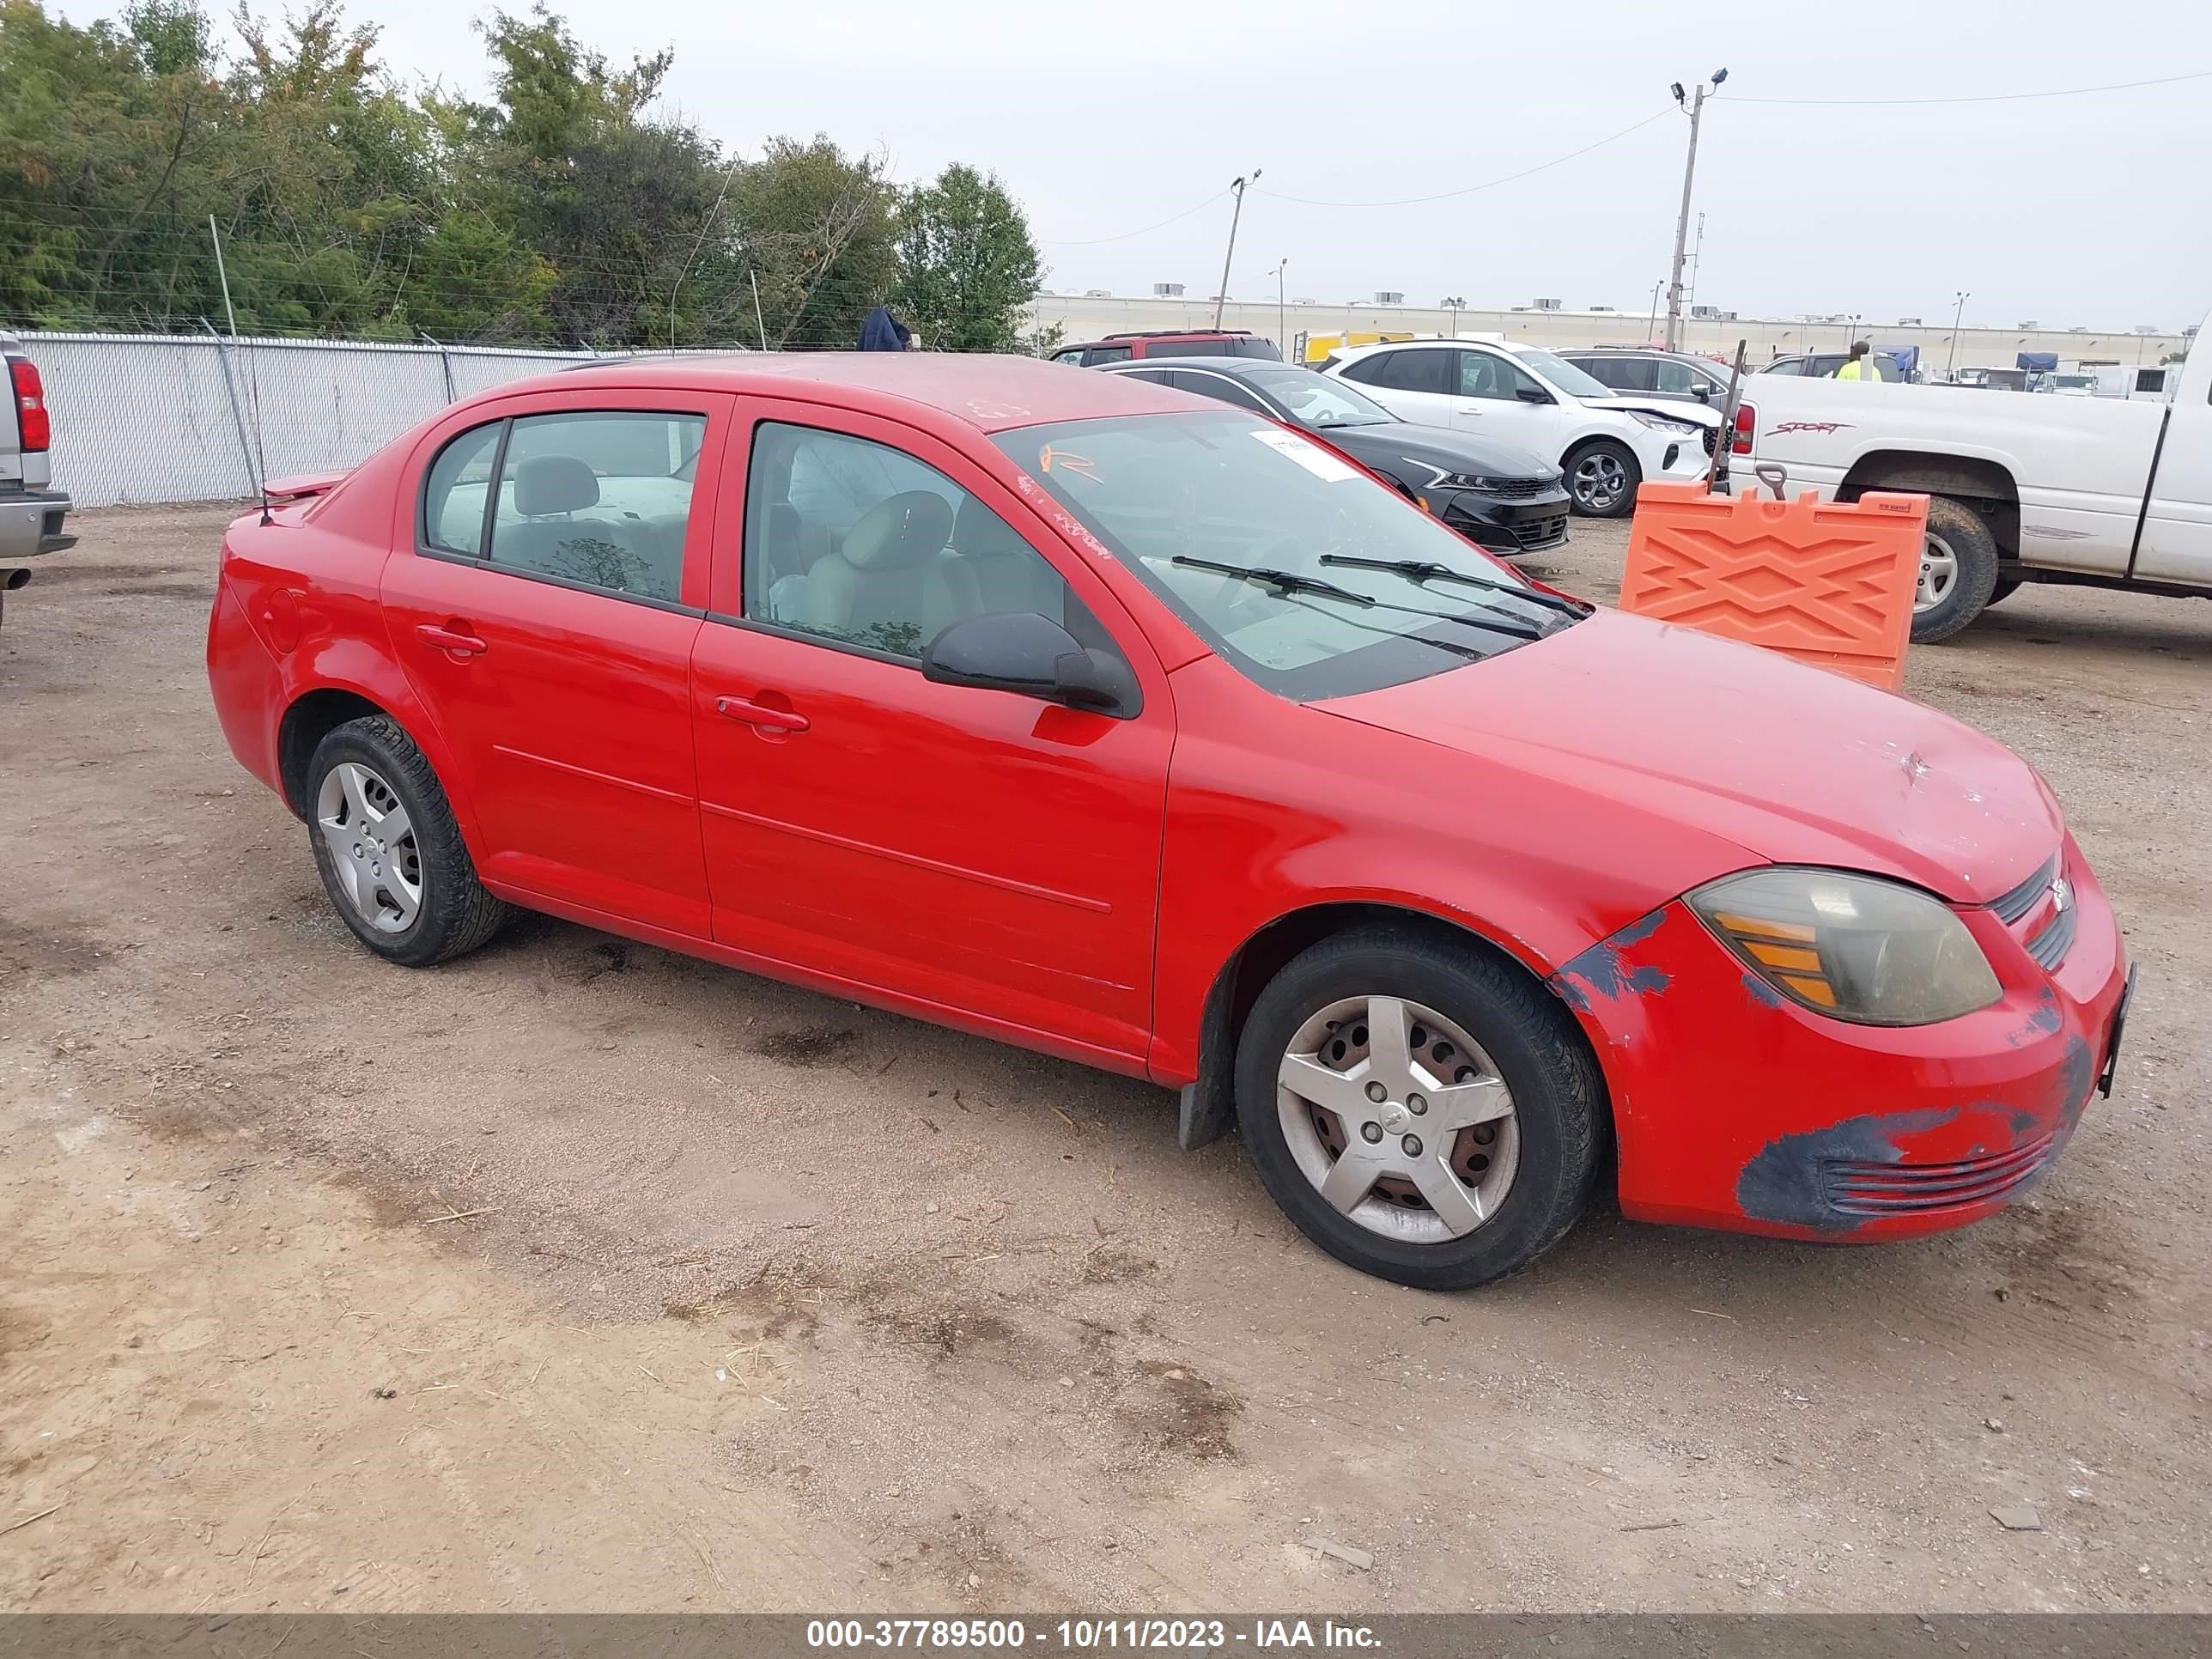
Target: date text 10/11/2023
1087,1635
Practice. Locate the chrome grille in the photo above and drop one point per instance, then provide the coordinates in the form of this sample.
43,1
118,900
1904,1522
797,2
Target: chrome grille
1867,1188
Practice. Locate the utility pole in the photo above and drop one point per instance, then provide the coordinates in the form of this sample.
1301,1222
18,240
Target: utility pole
1951,368
1651,325
223,277
1697,108
1282,310
1696,256
1221,295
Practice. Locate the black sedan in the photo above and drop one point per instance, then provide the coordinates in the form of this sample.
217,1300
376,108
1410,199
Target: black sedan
1503,499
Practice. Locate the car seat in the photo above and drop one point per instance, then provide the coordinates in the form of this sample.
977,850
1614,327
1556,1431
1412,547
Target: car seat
892,584
548,491
1009,574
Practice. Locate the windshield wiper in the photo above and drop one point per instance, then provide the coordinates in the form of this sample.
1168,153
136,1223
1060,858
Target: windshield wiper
1286,582
1427,571
1289,581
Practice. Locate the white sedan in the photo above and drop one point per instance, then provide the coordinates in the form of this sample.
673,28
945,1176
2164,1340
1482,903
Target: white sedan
1604,442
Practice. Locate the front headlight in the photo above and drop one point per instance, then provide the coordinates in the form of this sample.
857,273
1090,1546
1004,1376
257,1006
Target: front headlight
1855,947
1661,424
1467,481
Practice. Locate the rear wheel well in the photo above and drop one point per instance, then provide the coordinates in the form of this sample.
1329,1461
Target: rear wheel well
1985,486
1209,1104
305,724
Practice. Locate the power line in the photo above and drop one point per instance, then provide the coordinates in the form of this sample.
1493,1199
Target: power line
1979,98
1093,241
1445,195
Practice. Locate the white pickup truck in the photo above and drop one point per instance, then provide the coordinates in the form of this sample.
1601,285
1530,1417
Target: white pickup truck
2094,491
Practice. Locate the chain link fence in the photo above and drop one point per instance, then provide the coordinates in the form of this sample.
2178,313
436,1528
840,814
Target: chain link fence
183,417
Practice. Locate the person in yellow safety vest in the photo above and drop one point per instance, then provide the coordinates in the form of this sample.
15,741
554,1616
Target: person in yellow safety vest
1861,366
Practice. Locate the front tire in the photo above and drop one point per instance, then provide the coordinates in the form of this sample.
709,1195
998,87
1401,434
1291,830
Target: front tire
1958,571
1602,478
388,849
1481,1150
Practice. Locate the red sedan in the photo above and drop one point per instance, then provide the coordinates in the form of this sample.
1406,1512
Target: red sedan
1097,718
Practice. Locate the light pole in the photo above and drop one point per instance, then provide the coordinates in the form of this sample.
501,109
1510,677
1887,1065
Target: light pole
1652,323
1282,310
1454,304
1951,368
1697,108
1221,296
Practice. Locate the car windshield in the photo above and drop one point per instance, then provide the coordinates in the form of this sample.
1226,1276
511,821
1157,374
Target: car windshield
1158,491
1314,400
1562,373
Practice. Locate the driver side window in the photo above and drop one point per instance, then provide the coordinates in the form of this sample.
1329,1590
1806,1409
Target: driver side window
859,543
1482,375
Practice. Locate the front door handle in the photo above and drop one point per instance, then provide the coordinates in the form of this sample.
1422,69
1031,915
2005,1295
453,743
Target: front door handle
453,638
1470,409
754,714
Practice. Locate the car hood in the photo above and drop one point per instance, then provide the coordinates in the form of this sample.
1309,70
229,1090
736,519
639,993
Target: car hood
1674,408
1436,447
1794,764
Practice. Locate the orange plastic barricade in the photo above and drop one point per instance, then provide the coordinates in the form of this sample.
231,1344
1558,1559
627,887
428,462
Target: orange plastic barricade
1829,583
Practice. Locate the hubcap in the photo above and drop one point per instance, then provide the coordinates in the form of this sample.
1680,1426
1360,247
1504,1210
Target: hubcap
1429,1160
1599,480
372,846
1939,572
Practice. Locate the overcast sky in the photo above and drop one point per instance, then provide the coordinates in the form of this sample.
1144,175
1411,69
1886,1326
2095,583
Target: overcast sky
1105,117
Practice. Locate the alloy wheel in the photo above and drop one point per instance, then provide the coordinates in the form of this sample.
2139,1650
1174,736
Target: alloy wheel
372,846
1939,574
1398,1118
1599,481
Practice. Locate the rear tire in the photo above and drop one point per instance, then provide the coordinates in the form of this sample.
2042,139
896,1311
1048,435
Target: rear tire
1496,1111
388,849
1602,478
1959,571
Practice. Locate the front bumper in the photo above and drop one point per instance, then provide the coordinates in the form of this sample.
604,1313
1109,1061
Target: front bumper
1738,1109
31,523
1501,524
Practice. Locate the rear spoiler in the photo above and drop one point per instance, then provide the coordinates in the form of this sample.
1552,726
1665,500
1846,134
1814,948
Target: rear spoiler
302,486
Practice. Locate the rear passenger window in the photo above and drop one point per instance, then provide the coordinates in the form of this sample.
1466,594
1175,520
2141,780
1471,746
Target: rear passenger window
859,543
454,495
1402,371
601,499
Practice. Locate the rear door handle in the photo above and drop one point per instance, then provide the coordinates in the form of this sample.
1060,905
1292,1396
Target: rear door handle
453,639
754,714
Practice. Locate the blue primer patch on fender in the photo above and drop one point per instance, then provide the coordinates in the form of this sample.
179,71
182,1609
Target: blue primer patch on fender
1761,991
1785,1181
2042,1020
1604,971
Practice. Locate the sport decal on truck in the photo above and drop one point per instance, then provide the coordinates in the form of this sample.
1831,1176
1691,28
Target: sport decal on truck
1807,426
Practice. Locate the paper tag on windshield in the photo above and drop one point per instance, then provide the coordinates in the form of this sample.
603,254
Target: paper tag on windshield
1311,456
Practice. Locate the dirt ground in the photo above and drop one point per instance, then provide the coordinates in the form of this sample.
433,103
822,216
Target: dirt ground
577,1275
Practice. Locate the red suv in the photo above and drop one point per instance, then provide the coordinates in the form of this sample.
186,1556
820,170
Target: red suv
1168,342
1099,718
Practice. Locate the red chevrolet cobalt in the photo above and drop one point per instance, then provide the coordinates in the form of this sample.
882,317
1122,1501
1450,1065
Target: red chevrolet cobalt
1094,717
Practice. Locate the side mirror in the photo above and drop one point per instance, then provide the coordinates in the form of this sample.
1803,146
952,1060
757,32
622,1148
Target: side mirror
1032,656
1532,394
1702,393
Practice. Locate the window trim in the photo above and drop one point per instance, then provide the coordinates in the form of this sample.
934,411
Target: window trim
481,558
1266,405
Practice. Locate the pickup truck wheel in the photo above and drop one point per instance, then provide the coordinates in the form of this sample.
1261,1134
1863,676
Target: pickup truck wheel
1957,571
1602,479
1426,1114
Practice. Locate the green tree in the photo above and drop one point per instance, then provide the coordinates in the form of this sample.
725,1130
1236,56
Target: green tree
967,268
814,226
